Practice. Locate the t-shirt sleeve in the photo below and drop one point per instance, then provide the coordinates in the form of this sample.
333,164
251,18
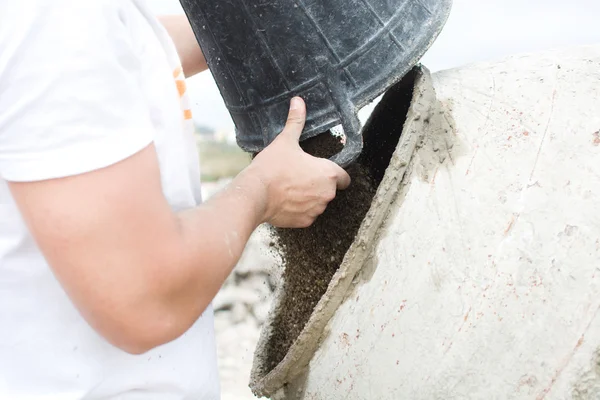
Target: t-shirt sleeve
70,94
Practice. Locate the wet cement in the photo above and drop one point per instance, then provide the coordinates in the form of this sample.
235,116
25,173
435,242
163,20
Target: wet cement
312,256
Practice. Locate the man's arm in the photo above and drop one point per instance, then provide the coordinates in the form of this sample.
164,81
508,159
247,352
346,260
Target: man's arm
192,59
140,274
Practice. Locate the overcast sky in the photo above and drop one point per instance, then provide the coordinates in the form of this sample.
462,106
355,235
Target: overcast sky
477,30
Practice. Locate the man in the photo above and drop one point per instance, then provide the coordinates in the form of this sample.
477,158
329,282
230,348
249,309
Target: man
108,265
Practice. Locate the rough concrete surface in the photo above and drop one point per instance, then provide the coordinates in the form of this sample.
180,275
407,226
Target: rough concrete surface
485,281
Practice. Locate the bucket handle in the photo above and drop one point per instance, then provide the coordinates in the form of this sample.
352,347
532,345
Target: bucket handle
348,116
354,143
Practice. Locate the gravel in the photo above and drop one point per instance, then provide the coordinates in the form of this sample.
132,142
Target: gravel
241,307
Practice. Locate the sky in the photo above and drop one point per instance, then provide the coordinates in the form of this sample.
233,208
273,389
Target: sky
477,30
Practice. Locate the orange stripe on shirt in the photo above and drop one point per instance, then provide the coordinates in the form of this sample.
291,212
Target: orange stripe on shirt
181,87
177,71
187,114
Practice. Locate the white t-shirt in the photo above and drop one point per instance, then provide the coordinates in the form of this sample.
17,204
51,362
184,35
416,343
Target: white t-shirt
83,85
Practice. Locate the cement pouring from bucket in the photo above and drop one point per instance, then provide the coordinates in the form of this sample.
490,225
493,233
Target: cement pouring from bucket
391,135
337,55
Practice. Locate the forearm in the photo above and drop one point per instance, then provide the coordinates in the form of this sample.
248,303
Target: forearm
190,54
189,268
211,239
141,274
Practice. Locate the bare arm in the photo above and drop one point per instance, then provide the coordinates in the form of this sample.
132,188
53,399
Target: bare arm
192,59
140,274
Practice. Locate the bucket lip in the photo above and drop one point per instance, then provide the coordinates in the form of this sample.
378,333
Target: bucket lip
368,93
305,346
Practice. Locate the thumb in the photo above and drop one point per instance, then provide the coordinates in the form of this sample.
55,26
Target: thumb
296,119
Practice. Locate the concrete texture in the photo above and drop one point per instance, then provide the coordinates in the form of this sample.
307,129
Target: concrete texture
484,281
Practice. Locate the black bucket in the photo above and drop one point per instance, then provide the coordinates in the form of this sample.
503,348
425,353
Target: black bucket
338,55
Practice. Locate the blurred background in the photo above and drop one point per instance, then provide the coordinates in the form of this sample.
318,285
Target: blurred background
477,30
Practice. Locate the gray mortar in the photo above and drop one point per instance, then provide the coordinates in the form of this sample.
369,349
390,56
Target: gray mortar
588,385
269,383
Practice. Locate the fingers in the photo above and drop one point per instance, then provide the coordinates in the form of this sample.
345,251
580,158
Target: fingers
341,176
296,119
343,180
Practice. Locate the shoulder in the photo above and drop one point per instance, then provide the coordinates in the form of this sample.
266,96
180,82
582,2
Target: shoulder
70,98
57,31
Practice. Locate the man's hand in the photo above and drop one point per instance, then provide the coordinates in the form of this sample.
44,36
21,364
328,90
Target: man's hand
141,274
297,185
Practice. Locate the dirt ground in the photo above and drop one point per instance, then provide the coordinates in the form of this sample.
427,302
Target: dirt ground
240,309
